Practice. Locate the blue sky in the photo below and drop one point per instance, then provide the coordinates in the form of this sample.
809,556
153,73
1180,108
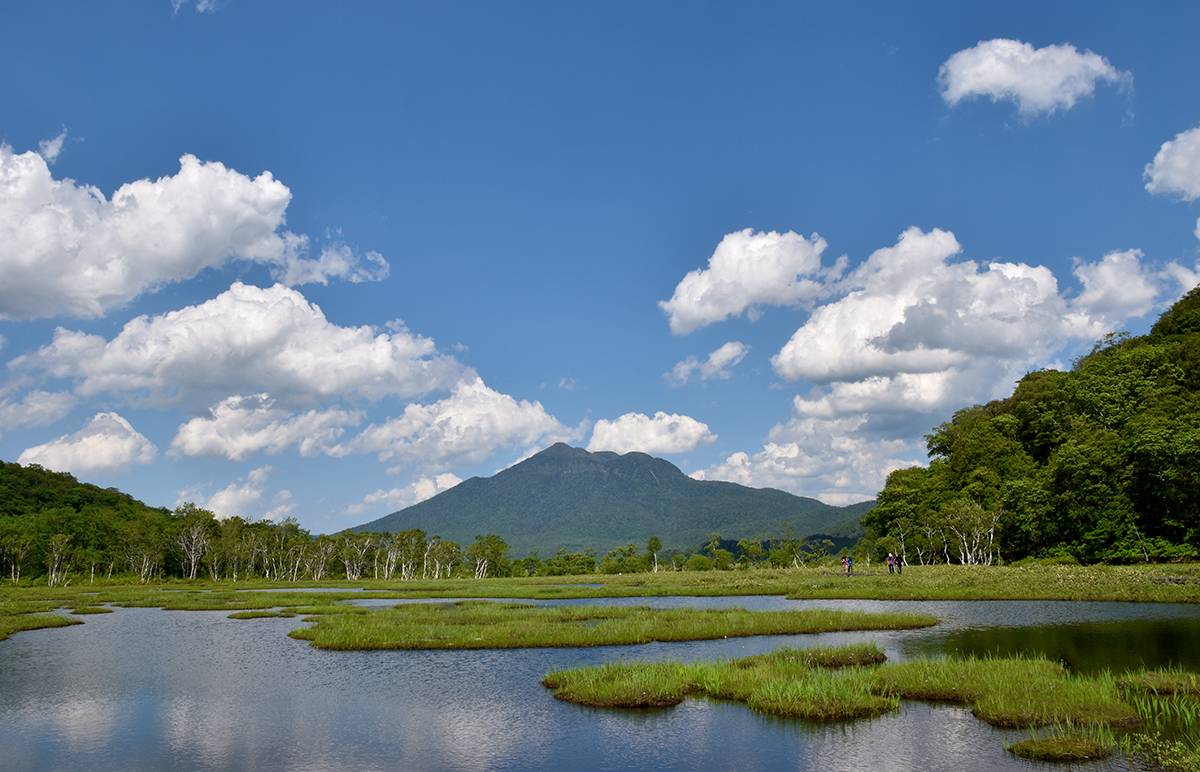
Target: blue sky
324,260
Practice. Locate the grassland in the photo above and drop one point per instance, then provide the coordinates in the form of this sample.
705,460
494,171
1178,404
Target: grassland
1142,582
484,625
26,607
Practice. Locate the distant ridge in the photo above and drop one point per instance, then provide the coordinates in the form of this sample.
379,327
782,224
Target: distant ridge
568,498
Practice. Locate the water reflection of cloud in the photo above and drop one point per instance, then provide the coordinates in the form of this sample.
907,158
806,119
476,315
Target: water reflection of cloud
195,690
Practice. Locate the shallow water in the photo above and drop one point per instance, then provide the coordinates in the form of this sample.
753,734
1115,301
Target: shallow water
194,690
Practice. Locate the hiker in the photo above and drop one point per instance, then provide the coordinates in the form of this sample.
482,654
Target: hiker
891,563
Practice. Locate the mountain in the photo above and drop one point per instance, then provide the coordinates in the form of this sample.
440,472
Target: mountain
568,498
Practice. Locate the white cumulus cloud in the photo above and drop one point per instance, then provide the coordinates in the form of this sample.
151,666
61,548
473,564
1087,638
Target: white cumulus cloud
245,497
829,458
748,270
1176,167
716,366
37,408
239,426
67,249
106,445
463,429
246,341
1038,80
425,487
661,434
914,334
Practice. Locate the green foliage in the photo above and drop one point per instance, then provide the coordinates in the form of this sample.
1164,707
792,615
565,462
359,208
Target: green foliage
567,564
1101,463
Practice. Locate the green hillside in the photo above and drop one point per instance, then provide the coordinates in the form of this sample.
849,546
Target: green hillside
1099,463
568,498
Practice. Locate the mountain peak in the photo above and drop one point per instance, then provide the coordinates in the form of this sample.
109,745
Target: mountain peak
569,498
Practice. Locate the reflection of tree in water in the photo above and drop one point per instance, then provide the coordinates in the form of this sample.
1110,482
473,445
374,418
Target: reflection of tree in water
1091,647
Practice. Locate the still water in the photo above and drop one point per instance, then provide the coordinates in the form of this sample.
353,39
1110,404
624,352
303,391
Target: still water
146,689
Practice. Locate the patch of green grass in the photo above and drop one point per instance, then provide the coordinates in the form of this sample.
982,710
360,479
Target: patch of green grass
18,622
485,625
1005,692
1012,692
1061,748
789,682
260,615
1174,583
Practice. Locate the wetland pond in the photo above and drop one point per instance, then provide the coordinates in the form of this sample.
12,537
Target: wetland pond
147,689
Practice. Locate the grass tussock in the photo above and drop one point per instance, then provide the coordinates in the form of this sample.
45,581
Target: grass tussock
790,682
1066,748
1005,692
485,625
1011,692
20,622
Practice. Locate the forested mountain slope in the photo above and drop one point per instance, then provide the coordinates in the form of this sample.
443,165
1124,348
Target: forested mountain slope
1101,462
568,498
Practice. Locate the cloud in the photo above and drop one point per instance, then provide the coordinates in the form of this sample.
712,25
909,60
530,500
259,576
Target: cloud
749,270
202,6
400,498
830,459
37,408
106,445
1038,80
241,498
914,335
661,434
1116,288
715,367
240,426
337,261
49,149
66,249
246,341
910,310
1176,167
1176,170
463,429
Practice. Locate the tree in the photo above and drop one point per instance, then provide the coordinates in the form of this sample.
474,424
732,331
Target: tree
487,552
568,564
353,553
653,545
443,555
319,555
192,534
16,543
56,558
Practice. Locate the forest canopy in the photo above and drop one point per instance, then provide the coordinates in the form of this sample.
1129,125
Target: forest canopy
1099,463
